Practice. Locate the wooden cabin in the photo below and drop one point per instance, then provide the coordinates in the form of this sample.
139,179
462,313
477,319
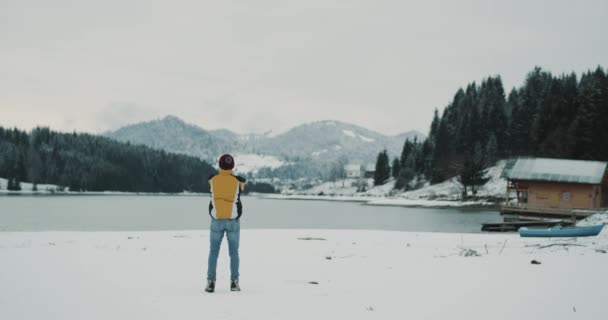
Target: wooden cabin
555,187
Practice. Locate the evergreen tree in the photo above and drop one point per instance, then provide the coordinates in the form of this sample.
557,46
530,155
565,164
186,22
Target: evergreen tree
588,129
408,147
33,165
442,158
497,121
548,116
491,151
14,184
472,174
533,95
406,175
466,176
87,162
519,125
395,168
434,125
426,154
383,169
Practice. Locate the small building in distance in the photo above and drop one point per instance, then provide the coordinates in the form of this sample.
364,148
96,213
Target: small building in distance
554,187
352,170
369,171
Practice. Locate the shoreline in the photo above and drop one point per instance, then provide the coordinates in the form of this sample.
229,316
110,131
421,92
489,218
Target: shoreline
390,201
363,200
95,193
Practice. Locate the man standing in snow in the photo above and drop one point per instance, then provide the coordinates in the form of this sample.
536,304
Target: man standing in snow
225,210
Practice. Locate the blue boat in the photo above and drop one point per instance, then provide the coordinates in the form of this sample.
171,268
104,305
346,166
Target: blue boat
561,231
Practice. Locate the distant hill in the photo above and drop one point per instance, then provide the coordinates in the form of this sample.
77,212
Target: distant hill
85,162
309,148
174,135
328,140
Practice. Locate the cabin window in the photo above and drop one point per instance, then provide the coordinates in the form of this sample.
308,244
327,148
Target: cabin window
566,196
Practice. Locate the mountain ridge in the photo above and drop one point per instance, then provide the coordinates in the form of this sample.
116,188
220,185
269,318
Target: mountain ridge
313,146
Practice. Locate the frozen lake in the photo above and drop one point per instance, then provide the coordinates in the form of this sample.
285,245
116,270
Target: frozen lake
142,213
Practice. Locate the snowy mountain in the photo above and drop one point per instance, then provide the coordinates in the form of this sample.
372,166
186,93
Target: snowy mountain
308,149
324,142
174,135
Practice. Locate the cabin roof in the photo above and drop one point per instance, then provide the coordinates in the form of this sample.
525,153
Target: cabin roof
555,170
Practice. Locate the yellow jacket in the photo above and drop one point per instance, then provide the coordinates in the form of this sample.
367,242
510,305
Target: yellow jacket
226,195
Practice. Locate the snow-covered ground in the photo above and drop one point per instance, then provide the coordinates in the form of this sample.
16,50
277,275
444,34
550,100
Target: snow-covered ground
252,163
427,203
348,187
342,187
303,274
27,187
445,194
452,189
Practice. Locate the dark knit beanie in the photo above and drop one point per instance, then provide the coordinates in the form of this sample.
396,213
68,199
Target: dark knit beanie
226,162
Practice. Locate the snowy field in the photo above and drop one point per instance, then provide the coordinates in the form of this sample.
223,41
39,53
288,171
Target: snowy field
303,274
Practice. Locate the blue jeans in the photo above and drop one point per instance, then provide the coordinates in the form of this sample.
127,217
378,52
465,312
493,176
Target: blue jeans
232,228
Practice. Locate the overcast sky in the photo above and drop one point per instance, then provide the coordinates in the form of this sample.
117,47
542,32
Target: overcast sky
254,66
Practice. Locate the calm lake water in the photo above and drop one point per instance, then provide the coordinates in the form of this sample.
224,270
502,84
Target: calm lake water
137,213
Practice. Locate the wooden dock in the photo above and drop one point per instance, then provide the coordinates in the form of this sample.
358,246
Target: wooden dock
513,226
548,212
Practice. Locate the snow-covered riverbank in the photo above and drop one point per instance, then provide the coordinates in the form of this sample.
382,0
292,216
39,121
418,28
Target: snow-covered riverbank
51,189
302,274
385,201
445,194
